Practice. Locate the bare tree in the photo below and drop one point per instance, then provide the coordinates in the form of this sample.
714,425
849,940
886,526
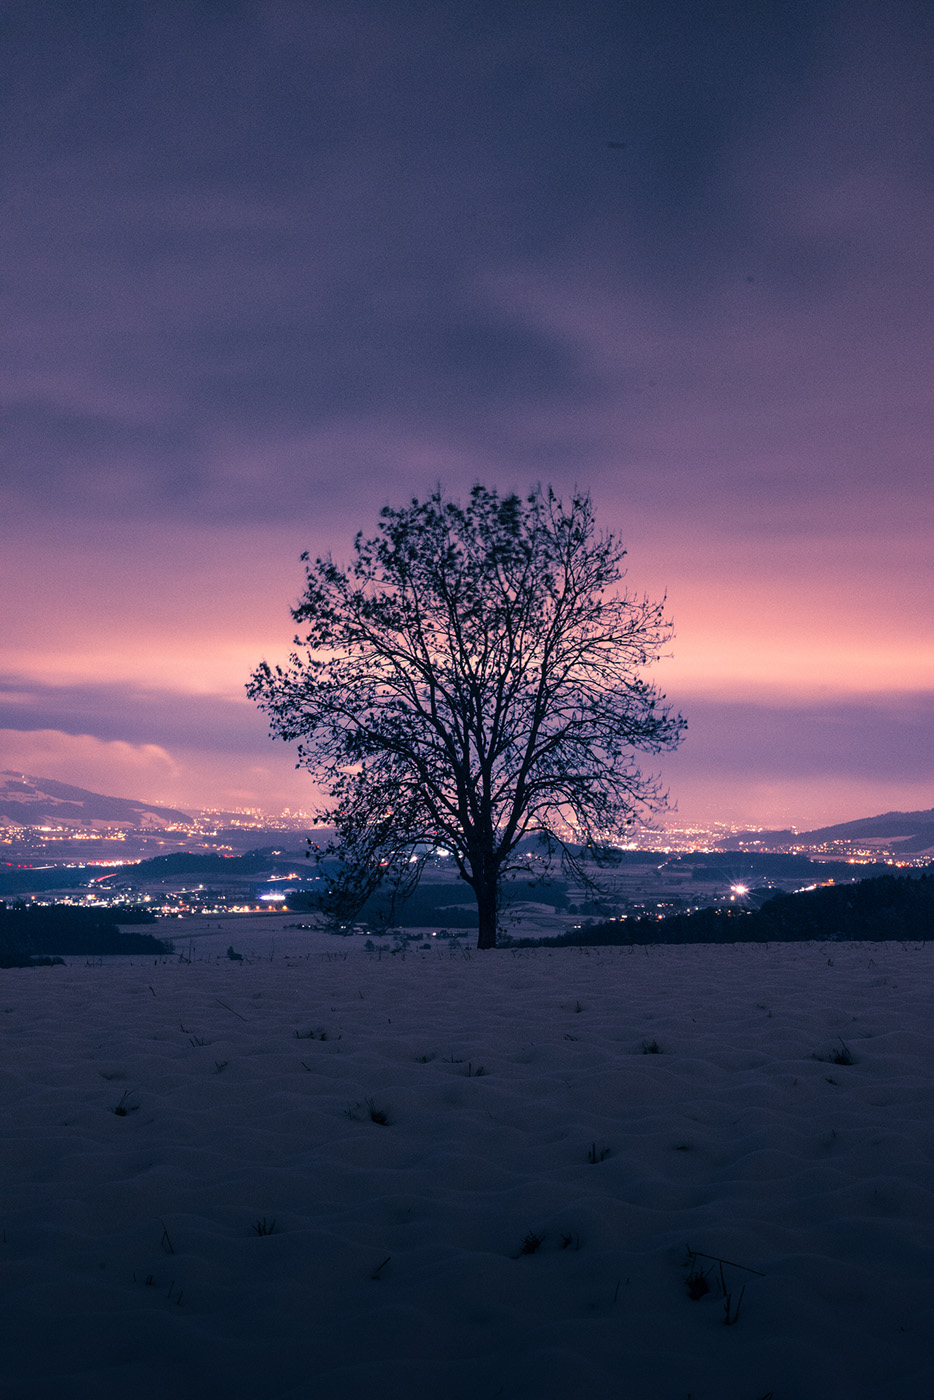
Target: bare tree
473,679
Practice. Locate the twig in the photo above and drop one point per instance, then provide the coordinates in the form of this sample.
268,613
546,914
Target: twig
698,1254
229,1008
730,1318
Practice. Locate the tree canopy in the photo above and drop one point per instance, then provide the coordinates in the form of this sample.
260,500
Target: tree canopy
473,679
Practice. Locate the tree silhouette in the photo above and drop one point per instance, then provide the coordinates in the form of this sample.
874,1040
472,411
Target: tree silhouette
471,680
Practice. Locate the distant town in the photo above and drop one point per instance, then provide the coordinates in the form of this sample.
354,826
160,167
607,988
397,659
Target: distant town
61,844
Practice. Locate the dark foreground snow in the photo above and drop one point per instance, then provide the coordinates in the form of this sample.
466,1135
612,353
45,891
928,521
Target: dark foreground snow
248,1228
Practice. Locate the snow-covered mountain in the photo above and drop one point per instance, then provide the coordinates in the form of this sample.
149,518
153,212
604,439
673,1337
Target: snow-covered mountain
912,832
29,801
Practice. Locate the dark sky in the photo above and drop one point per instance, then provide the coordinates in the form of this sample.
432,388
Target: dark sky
270,266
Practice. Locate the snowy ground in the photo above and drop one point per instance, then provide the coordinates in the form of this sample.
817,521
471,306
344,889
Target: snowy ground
246,1230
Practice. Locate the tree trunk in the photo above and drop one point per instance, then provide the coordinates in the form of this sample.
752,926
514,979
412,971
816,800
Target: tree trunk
487,892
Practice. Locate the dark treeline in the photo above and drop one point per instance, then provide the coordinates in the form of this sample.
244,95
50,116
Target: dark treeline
29,931
426,905
888,907
19,880
431,905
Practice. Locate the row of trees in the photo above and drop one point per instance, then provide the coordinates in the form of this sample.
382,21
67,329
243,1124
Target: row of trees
30,930
881,909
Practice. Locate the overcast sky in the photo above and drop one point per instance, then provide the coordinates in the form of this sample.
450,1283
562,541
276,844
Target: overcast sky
270,265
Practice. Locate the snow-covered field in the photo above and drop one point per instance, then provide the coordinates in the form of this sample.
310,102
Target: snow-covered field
460,1176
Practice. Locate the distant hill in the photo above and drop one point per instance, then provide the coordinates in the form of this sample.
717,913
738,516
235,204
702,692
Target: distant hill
30,801
889,826
913,831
